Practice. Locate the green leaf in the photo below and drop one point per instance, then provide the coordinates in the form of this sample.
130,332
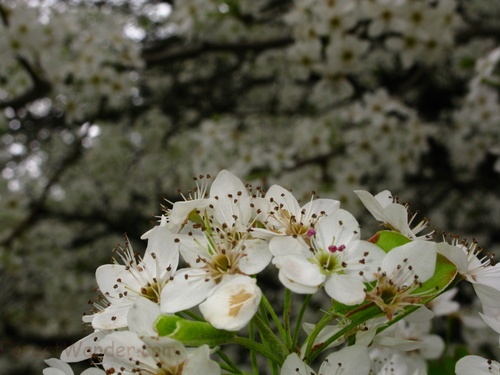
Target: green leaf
443,276
388,240
190,332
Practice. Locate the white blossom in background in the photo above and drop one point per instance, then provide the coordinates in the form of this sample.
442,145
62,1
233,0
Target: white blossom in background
415,343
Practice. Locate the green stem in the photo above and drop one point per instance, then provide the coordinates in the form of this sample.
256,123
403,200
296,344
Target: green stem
298,324
258,348
287,309
191,314
371,312
271,341
228,365
283,333
317,329
253,356
274,368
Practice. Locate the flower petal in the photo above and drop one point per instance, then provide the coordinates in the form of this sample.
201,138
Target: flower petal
57,367
142,316
350,360
294,365
455,254
233,303
295,287
84,348
188,288
199,362
93,371
162,251
363,256
372,204
413,258
114,280
488,295
227,183
396,215
181,209
113,317
124,349
319,207
283,199
473,364
340,228
257,256
348,290
287,245
299,270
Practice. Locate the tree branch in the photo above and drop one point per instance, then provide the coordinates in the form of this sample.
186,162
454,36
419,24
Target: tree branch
37,205
153,56
40,87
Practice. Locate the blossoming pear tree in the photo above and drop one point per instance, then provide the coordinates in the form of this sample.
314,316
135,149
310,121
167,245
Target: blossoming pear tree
109,107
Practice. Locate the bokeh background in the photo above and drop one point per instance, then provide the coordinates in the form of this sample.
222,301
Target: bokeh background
108,108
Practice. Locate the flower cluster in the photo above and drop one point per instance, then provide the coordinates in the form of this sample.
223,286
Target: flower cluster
198,287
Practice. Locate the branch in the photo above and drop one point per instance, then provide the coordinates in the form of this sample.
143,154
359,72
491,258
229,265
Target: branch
464,35
37,205
152,56
40,87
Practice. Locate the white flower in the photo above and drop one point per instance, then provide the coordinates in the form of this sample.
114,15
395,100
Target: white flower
482,273
121,284
216,260
210,260
336,258
473,364
412,338
350,360
344,54
85,348
129,354
286,217
384,16
142,351
232,303
394,216
443,304
228,203
387,361
403,270
491,316
58,367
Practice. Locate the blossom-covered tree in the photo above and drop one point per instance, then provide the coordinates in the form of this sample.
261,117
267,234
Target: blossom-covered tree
109,107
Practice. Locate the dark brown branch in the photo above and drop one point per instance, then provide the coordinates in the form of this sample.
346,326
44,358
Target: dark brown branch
154,56
40,87
37,206
464,35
